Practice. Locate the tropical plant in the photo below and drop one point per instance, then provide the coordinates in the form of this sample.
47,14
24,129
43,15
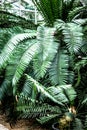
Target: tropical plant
39,105
40,108
46,57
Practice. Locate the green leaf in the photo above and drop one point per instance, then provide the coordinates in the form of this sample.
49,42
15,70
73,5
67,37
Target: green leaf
63,93
58,94
69,92
59,73
42,90
73,37
48,49
10,47
24,62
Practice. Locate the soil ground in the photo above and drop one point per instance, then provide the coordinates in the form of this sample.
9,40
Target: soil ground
21,124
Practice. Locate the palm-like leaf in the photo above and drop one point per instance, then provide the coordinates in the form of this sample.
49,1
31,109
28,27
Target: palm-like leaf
73,37
48,49
69,92
64,93
27,89
42,90
11,20
10,46
59,73
14,57
24,62
52,10
85,100
75,13
33,108
7,33
50,58
6,86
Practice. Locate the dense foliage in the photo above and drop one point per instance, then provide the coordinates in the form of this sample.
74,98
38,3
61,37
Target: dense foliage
43,72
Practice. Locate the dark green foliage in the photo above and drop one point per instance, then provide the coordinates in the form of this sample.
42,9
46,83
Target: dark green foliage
77,125
8,20
10,62
33,108
52,10
42,65
37,101
8,52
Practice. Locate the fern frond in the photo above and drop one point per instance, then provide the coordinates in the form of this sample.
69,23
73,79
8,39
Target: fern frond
48,49
42,90
75,13
11,20
6,84
69,92
4,37
10,47
73,37
37,110
33,108
58,94
50,10
24,62
84,48
27,88
59,73
63,93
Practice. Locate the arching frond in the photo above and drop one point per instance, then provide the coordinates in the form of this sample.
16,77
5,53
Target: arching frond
24,62
8,19
4,37
6,85
33,108
48,49
59,73
84,47
73,37
42,90
30,108
69,92
10,46
8,33
27,89
63,93
50,9
81,63
76,12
